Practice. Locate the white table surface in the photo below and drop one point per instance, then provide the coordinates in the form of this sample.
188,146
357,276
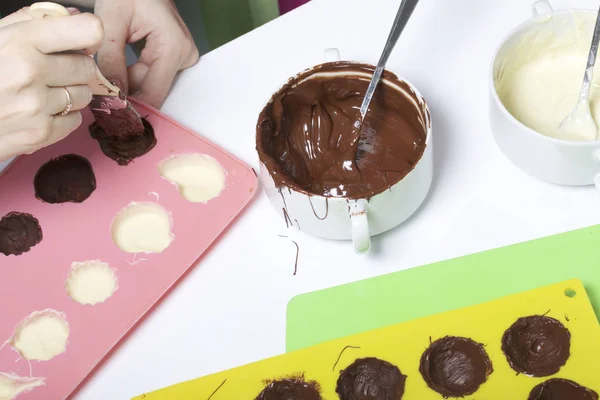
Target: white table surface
230,310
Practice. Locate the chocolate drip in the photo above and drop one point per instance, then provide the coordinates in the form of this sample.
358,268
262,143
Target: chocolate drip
536,345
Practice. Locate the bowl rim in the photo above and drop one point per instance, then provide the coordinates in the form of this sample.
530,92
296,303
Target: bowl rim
492,87
312,71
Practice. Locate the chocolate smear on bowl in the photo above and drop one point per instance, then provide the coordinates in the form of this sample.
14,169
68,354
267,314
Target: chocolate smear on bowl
123,149
304,133
455,366
65,179
537,345
371,379
19,232
561,389
292,388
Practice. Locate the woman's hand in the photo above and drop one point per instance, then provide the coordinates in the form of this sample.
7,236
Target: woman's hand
169,47
38,64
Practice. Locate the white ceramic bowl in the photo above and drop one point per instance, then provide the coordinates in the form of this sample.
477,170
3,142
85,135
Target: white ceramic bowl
546,158
341,218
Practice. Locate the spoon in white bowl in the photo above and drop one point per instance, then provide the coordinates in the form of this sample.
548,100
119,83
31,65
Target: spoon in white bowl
580,123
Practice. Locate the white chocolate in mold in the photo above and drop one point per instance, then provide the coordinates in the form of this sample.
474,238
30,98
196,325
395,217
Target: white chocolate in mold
91,282
41,336
142,228
12,385
198,177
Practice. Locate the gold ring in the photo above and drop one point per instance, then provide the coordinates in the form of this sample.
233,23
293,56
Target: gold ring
69,104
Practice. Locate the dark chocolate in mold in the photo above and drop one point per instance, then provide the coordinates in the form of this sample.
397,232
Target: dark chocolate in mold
19,232
455,366
68,178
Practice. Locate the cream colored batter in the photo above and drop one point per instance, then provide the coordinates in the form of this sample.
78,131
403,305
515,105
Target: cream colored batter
198,177
142,228
91,282
12,385
540,80
41,336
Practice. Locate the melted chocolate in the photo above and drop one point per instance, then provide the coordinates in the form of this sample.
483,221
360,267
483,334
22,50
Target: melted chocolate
68,178
290,389
455,366
305,133
536,345
19,232
370,379
561,389
120,123
124,149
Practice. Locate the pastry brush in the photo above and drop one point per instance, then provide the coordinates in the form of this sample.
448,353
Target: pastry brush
109,105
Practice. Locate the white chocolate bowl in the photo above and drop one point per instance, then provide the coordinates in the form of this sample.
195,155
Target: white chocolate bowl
550,159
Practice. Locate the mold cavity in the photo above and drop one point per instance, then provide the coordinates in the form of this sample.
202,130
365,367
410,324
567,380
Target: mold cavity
19,232
123,149
198,177
12,385
91,282
66,179
41,336
142,228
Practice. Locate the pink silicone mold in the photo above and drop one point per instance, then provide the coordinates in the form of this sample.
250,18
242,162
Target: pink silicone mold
72,232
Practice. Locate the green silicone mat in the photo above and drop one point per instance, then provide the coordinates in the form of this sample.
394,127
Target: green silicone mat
389,299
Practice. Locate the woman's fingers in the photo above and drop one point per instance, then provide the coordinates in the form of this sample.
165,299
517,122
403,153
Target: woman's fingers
69,69
74,32
80,96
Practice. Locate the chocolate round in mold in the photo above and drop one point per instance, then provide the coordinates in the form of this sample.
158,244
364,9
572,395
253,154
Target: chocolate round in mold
19,232
561,389
537,345
123,149
371,379
291,389
455,366
65,179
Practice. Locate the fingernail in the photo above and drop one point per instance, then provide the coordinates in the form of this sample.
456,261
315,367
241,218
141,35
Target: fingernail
73,10
117,83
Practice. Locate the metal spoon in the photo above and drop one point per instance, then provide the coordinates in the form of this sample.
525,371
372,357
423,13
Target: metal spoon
404,12
580,123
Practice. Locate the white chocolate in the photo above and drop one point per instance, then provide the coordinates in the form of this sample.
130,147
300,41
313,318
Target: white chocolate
91,282
142,228
198,177
41,336
540,79
12,385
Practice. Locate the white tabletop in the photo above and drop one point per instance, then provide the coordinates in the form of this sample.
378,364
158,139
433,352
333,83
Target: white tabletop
230,310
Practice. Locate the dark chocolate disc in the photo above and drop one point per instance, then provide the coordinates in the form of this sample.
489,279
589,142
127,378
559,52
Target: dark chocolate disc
64,179
455,366
123,149
561,389
19,232
370,379
290,389
536,345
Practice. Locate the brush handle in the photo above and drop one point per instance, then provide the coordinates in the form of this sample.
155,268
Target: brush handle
100,86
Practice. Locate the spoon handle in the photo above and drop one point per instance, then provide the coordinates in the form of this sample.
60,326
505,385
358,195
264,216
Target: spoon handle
589,69
402,17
